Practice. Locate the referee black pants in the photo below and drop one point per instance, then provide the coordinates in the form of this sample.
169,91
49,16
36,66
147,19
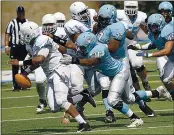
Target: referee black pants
17,52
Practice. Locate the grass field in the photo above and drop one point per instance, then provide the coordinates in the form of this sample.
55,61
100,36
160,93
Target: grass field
19,114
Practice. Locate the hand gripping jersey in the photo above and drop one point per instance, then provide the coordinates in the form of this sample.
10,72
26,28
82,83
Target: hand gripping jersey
115,31
166,34
52,60
74,26
108,65
132,26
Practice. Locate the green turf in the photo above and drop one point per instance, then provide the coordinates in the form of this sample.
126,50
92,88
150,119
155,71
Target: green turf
4,59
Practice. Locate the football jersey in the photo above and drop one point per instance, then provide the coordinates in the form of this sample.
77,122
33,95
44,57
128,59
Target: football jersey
166,34
52,60
115,31
74,26
108,65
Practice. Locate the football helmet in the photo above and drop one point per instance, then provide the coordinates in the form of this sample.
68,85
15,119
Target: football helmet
86,42
28,31
155,23
107,15
49,24
131,7
79,11
60,19
166,9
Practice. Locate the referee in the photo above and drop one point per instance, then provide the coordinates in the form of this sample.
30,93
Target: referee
12,44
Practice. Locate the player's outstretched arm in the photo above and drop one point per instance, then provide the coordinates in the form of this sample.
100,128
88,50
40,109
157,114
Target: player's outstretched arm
166,51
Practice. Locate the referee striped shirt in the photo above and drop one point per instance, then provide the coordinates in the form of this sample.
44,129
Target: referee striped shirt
13,29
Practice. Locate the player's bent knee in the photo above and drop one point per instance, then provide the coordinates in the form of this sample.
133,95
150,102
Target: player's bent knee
140,69
66,105
112,102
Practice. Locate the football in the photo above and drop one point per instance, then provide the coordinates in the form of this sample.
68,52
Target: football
23,81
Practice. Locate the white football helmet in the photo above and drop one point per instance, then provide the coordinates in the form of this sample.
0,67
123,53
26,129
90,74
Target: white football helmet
28,31
79,11
60,19
131,7
49,24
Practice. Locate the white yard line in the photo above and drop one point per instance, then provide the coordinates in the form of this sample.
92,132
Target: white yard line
17,107
114,129
14,120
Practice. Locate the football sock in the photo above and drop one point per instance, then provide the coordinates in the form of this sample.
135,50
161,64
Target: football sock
107,106
41,90
79,119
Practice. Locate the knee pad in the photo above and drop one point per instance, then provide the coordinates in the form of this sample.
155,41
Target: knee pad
118,106
140,69
105,93
112,102
104,83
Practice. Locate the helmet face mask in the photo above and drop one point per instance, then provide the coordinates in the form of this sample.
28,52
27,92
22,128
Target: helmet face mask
131,8
49,24
49,28
103,22
84,16
154,28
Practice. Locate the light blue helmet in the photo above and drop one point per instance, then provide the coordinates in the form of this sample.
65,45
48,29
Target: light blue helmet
107,15
156,22
167,6
85,43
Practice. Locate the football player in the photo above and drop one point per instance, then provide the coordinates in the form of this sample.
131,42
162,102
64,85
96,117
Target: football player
162,38
135,20
97,55
46,54
81,21
113,34
76,93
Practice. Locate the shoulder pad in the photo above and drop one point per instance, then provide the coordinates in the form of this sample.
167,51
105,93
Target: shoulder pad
43,41
168,32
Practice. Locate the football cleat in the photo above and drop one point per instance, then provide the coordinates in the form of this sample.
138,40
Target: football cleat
110,118
147,110
84,127
163,93
41,106
136,123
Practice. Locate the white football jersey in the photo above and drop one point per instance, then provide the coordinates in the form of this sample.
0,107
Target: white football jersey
52,60
135,26
74,26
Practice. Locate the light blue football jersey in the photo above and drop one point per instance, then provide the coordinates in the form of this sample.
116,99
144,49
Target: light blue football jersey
115,31
108,65
166,34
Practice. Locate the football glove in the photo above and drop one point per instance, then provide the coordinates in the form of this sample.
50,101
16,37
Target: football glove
144,54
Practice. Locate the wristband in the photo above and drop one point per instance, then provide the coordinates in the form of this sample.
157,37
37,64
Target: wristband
21,63
6,47
27,62
75,60
59,40
28,70
149,54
